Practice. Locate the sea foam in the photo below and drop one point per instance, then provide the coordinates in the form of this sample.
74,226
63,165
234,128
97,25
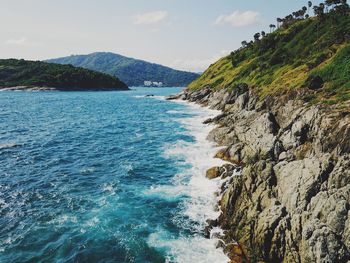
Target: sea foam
201,202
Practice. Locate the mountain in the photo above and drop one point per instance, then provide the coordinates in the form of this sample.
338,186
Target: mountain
41,75
131,71
285,133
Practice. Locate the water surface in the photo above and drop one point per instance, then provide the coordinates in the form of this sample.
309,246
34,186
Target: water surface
104,177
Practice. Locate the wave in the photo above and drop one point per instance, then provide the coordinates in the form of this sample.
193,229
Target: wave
201,193
9,145
184,250
150,96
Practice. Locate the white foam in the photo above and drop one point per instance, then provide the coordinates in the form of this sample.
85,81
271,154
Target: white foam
168,192
109,188
187,250
62,219
202,200
149,97
9,145
177,112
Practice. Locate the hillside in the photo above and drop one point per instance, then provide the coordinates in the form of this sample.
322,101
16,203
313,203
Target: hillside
293,57
29,74
285,133
131,71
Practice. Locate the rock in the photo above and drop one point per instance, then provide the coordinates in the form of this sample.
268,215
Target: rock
314,82
231,154
213,173
220,244
223,171
174,97
278,149
282,156
207,121
291,200
235,253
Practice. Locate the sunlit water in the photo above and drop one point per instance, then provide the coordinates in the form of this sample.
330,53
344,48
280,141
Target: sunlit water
105,177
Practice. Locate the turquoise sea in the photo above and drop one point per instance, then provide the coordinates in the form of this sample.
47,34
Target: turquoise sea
105,177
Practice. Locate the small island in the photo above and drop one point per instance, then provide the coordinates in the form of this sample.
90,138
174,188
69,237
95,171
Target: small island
36,75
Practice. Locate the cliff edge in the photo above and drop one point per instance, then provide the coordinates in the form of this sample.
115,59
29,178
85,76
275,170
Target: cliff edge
287,125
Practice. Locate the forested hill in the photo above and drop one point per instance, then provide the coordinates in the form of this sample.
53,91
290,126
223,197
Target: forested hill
30,74
310,55
131,71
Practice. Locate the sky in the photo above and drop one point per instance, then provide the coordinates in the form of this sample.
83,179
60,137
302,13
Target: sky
183,34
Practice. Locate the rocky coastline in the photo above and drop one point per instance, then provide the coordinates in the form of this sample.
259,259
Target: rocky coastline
291,200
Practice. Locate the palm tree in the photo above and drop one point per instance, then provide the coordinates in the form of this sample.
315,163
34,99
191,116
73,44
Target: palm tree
244,43
279,21
309,5
263,34
257,36
272,27
303,11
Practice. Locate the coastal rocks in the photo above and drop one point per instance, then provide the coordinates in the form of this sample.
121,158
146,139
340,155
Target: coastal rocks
213,173
235,253
291,200
223,171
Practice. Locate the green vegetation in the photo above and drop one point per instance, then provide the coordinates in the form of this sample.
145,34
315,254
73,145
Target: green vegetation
311,54
131,71
15,72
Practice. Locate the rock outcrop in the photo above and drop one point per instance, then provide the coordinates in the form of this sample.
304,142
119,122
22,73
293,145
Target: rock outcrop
291,201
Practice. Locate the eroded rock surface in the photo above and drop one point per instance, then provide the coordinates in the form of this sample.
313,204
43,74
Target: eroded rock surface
291,201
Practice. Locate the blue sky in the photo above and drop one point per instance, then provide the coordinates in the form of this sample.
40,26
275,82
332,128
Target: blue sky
185,34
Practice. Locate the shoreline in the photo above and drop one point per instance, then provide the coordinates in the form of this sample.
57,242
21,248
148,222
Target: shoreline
292,156
222,179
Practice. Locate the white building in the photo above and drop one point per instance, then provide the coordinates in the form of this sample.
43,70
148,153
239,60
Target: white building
148,83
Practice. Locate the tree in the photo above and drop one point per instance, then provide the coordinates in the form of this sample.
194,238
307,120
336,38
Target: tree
309,5
279,21
304,9
319,10
272,27
263,34
342,9
257,36
244,43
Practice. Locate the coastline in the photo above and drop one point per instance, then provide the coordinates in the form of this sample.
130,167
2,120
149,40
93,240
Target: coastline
218,182
292,156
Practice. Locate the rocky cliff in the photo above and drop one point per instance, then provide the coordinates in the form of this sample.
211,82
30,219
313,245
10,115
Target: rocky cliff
291,201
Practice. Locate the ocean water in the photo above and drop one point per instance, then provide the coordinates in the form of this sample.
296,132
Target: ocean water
105,177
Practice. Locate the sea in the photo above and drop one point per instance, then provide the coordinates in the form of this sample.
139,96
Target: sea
106,177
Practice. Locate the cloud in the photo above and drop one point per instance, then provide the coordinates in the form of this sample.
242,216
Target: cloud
17,42
150,18
198,65
23,41
238,18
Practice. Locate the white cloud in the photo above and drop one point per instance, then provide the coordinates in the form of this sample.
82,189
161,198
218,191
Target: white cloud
238,18
198,65
23,41
18,42
150,18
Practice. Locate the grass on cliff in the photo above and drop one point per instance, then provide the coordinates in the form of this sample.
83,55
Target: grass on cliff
287,58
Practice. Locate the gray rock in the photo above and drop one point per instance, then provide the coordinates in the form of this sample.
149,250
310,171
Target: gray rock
291,201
